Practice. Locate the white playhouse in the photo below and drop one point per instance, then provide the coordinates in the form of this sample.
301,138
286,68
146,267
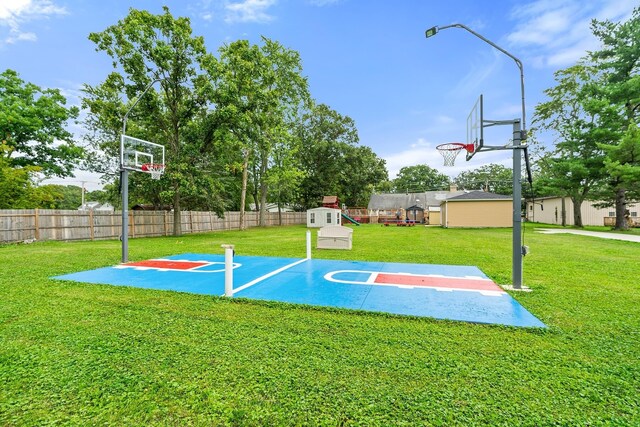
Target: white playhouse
320,217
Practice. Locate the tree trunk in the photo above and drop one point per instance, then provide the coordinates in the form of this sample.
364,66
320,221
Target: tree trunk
263,188
177,219
621,205
243,194
564,212
577,211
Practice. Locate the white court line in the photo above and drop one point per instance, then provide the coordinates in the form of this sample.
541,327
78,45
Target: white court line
266,276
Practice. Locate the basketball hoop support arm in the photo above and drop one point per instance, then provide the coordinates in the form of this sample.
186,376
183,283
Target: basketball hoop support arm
519,137
523,121
124,177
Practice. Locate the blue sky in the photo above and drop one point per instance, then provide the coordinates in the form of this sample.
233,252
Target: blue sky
368,59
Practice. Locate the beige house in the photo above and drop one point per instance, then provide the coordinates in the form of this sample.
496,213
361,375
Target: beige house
477,209
551,210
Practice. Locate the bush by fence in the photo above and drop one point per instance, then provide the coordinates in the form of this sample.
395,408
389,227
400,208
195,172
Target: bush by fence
17,225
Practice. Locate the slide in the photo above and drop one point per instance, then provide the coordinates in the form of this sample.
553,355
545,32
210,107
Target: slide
348,218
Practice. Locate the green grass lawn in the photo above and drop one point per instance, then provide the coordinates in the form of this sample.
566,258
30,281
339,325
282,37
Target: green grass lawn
80,354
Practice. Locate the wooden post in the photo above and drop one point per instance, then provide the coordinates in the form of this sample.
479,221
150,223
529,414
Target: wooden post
91,224
36,222
132,224
166,225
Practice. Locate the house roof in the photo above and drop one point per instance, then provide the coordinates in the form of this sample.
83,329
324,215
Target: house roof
404,201
479,195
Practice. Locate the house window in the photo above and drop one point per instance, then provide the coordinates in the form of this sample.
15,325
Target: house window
634,213
612,214
328,217
312,218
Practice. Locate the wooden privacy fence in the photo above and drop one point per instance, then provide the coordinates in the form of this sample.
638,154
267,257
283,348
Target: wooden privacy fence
17,225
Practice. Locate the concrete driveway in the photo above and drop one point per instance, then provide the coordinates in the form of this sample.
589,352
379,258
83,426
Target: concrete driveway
615,236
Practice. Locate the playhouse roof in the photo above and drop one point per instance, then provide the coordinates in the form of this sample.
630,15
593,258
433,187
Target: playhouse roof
330,199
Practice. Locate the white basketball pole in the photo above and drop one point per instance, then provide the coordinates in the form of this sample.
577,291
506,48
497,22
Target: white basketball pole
228,270
308,244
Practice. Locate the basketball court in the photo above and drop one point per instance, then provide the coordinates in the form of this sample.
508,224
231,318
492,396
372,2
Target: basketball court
450,292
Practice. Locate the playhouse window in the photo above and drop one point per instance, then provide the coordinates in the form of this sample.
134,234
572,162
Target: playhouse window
328,217
312,218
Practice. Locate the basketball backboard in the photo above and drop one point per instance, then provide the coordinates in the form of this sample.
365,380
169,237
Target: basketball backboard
475,134
137,154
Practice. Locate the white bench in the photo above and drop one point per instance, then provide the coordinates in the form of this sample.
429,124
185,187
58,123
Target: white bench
334,237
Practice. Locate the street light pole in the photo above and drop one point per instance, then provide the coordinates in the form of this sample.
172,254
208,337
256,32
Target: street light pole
124,178
519,136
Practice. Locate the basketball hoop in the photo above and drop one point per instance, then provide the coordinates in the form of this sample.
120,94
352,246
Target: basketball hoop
154,169
451,150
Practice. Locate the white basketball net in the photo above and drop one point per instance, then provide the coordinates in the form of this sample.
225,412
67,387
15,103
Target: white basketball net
154,169
450,152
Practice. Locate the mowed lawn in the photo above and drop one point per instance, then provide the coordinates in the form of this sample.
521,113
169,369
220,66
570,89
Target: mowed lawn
80,354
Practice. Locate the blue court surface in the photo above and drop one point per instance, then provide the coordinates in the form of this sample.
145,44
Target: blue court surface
451,292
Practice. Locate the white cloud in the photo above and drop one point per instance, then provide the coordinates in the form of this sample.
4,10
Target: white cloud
16,13
18,37
249,11
556,33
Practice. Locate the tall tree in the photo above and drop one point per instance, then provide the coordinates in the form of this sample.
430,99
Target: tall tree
33,127
325,136
260,90
145,47
493,178
363,171
622,166
619,61
420,178
575,116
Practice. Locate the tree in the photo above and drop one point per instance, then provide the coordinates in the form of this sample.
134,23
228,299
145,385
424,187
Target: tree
363,171
325,136
260,91
17,187
33,127
145,47
419,178
493,178
619,61
622,166
575,115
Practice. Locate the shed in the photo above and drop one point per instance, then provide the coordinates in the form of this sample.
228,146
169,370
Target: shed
319,217
477,209
335,237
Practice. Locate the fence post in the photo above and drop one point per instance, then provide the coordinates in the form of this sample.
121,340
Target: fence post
132,223
91,235
36,222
